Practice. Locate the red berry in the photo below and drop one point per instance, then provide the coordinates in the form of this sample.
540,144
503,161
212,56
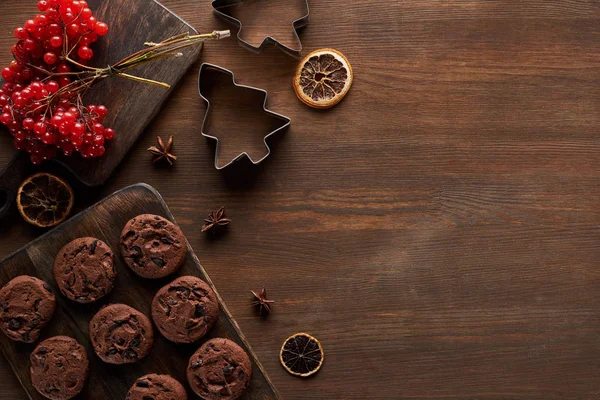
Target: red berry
64,128
29,44
64,81
39,128
78,129
76,7
101,28
69,117
5,118
88,39
91,22
56,120
72,29
77,140
21,33
36,87
86,13
7,74
48,138
101,111
26,74
98,129
15,66
63,68
30,26
109,134
88,138
13,127
27,93
52,86
50,58
39,34
98,140
40,20
53,15
42,5
54,30
85,52
28,123
56,41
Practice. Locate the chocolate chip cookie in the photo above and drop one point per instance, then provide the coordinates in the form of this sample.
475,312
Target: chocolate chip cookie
84,270
27,304
59,368
152,246
185,309
157,387
219,370
121,334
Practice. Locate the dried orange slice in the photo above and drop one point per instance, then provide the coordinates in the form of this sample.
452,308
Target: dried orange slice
323,78
44,200
301,355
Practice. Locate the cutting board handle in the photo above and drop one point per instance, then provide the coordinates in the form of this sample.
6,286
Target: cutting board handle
11,178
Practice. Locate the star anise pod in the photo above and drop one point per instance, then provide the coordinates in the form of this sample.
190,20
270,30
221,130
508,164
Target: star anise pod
260,300
216,220
162,151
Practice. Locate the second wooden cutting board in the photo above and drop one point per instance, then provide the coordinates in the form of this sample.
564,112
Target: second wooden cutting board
105,221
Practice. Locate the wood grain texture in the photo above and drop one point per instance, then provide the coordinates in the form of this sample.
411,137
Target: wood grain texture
437,230
105,221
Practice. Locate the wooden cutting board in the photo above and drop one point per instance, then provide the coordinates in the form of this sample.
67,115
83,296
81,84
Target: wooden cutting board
131,105
105,221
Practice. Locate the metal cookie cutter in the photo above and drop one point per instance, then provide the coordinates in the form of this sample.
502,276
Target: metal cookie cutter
283,121
220,5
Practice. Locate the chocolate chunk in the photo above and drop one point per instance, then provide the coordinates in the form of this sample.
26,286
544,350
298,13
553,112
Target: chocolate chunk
137,252
199,311
158,261
93,247
142,383
167,240
183,291
14,324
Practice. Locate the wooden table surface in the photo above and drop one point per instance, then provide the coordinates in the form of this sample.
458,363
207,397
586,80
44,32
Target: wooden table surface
438,230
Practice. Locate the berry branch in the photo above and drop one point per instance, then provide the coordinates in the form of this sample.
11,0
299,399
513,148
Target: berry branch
41,101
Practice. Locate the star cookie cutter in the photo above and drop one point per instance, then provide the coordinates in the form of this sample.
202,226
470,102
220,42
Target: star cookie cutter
220,5
285,121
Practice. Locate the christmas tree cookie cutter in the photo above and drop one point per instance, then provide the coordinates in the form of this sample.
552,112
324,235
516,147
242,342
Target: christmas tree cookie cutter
220,7
280,122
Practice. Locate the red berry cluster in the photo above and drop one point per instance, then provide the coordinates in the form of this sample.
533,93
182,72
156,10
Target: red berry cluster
40,102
